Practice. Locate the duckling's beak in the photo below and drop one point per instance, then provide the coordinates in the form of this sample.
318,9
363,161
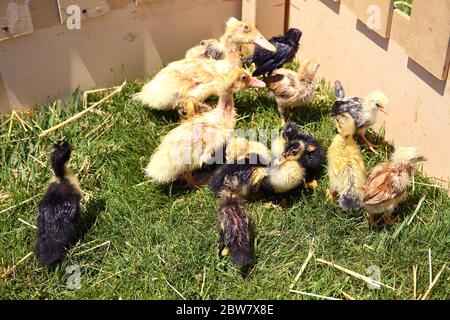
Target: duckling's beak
255,83
279,161
263,43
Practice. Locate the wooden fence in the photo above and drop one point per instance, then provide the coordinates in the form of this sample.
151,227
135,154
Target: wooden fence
425,35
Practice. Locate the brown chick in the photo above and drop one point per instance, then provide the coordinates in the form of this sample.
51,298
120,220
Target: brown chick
291,89
387,185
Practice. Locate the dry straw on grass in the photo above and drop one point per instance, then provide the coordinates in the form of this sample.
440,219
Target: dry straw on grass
354,274
80,114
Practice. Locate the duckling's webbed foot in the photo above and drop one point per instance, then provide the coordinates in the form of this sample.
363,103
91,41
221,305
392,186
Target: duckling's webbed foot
311,184
221,245
190,106
191,182
331,196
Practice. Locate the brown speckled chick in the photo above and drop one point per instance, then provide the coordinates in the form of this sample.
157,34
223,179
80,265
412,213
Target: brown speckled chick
291,89
387,184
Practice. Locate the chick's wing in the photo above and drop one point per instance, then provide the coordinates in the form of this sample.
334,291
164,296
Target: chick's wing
384,184
195,70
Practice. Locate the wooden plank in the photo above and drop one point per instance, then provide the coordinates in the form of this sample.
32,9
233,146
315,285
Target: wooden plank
428,41
375,14
270,17
249,11
44,13
89,8
15,19
400,27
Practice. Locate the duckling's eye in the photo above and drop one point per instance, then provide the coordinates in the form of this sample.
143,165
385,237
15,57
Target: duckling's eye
244,77
203,42
246,28
377,104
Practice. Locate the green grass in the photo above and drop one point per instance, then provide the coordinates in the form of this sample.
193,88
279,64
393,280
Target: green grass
144,241
404,5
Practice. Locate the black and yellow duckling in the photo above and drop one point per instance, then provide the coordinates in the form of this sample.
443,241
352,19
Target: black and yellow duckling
280,176
286,172
313,158
234,225
58,219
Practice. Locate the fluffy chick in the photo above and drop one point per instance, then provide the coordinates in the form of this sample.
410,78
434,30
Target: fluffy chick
280,176
287,47
313,158
292,89
286,172
345,165
363,111
209,48
234,225
58,219
196,141
197,77
387,184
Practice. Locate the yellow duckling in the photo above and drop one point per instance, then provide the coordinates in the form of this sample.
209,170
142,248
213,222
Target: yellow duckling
198,77
195,142
345,165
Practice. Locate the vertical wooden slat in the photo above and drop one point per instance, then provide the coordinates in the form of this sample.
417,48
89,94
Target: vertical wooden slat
376,14
428,41
249,11
89,8
287,13
15,19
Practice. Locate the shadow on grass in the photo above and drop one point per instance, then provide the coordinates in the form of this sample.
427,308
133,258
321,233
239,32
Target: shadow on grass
93,209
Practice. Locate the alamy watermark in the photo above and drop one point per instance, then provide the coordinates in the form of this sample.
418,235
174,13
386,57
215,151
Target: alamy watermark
73,21
74,280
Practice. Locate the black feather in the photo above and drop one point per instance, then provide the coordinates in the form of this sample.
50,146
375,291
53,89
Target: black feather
287,47
353,106
234,228
58,220
242,171
339,92
312,161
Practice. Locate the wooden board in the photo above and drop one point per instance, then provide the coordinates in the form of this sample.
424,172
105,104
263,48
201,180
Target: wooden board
428,41
249,11
400,27
44,13
368,12
15,19
89,8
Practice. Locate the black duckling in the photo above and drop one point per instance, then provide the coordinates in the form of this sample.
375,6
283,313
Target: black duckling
58,220
234,225
314,156
287,47
280,176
